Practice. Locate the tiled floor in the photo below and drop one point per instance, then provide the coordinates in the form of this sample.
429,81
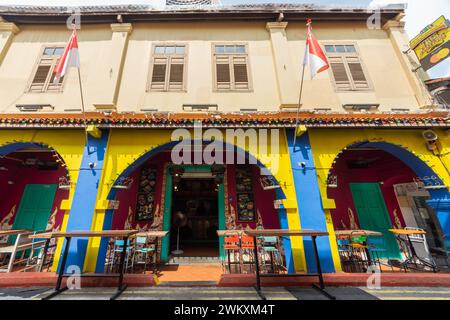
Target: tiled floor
189,273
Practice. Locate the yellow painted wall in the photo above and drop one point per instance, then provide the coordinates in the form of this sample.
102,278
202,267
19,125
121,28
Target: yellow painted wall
328,143
126,146
69,144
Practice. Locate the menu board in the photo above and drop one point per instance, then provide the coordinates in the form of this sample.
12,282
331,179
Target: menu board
146,194
244,194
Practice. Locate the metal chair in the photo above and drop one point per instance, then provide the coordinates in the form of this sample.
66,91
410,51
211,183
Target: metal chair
141,252
117,252
420,246
345,253
270,248
377,246
359,251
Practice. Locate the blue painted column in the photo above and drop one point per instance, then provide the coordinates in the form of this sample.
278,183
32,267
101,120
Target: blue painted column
85,196
309,202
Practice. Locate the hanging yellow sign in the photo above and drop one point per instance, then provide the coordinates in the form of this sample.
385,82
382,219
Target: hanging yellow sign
432,45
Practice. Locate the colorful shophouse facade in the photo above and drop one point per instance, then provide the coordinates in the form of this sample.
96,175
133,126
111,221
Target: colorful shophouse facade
147,73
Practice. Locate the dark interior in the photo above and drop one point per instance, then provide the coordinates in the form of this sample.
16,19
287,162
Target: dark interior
197,200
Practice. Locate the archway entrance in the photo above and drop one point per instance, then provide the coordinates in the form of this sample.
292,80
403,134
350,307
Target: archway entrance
154,192
33,182
376,188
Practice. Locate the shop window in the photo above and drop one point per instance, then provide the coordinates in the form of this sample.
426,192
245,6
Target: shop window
168,68
347,69
231,68
146,197
246,209
42,79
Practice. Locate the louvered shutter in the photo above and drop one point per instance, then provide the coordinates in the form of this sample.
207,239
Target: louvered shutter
357,73
41,75
240,73
51,85
159,74
223,75
341,78
176,73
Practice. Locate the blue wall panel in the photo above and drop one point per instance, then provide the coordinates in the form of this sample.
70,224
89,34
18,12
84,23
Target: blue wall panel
309,201
83,204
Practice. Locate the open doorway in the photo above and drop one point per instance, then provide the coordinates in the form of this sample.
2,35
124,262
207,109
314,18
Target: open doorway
195,217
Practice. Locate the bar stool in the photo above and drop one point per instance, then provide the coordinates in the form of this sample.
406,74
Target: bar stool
117,252
359,248
232,245
270,247
141,252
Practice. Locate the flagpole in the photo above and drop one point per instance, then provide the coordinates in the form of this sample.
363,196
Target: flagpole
299,104
82,102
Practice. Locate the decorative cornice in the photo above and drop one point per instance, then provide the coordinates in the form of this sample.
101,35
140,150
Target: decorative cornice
220,120
122,27
276,25
9,27
394,24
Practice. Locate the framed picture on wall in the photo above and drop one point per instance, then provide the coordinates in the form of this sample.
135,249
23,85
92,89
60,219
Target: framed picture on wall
146,195
246,210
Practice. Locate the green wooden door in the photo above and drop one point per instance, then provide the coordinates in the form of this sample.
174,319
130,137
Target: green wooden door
373,214
35,207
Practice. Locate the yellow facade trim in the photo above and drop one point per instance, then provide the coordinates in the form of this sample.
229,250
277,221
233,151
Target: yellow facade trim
69,144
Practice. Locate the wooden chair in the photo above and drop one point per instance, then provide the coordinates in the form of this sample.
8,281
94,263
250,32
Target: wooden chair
247,249
232,245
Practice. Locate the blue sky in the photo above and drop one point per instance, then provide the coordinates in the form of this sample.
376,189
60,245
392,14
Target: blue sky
418,15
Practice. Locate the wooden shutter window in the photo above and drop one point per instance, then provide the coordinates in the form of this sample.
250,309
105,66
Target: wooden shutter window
159,73
168,68
357,73
231,66
240,73
43,77
41,74
341,78
223,74
176,73
348,72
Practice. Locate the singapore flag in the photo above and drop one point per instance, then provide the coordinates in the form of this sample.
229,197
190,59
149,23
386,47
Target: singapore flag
314,56
70,58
